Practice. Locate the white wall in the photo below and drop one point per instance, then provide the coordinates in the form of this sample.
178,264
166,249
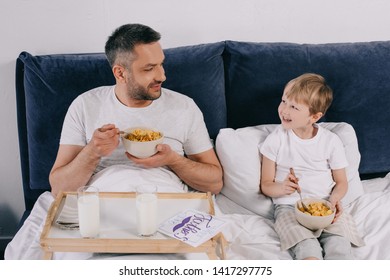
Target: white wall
68,26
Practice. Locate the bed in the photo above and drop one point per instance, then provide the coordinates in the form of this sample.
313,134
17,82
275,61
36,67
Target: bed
248,236
237,85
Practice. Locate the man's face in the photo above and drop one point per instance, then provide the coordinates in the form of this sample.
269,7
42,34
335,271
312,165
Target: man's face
146,73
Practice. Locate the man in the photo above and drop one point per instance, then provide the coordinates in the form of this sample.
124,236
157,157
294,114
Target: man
90,137
90,151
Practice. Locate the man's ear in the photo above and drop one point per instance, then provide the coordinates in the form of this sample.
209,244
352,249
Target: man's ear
118,72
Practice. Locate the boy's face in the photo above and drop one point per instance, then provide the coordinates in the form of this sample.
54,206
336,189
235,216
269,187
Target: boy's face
295,115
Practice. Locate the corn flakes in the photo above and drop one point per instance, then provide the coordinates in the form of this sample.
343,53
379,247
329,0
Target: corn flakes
317,209
143,135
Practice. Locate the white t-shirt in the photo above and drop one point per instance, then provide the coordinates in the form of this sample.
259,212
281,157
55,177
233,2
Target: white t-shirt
312,160
176,115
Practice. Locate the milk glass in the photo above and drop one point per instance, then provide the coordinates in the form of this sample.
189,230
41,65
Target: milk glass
146,205
88,211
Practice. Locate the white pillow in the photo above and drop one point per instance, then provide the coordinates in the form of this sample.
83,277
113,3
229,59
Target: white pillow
238,151
240,158
348,136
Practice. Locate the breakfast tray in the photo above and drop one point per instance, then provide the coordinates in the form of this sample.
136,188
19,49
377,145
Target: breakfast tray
118,227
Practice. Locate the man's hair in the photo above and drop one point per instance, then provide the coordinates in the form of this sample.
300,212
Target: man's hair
120,45
312,90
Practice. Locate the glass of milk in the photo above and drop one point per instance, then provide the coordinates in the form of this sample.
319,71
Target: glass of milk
146,205
88,210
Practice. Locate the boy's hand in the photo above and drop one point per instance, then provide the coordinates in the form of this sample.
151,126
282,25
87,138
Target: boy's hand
338,207
290,185
293,178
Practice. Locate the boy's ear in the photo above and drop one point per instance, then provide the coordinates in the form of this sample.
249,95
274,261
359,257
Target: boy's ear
315,117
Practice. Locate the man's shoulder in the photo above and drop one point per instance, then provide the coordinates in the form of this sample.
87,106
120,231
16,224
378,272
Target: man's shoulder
174,94
98,93
176,97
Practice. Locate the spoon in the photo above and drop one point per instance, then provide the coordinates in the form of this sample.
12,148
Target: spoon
123,133
299,191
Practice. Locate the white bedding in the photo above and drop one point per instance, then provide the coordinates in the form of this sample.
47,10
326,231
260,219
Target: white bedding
249,236
253,237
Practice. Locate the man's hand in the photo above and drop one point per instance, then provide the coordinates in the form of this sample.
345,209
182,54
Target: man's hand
75,165
163,157
104,140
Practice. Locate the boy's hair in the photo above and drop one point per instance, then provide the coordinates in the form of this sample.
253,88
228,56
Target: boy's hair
121,43
312,90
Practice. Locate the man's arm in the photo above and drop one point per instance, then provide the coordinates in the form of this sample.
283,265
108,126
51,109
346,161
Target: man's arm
202,171
74,165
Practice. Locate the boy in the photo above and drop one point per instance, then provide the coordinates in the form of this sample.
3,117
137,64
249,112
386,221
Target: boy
317,155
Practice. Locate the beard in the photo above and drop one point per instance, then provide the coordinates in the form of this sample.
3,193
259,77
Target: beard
138,92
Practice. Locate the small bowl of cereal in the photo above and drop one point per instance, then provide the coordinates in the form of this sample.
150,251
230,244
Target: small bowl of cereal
319,216
141,142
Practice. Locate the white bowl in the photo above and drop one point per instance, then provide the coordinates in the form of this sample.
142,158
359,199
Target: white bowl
313,222
141,149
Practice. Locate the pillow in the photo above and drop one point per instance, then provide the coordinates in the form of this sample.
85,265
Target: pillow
348,136
240,158
238,151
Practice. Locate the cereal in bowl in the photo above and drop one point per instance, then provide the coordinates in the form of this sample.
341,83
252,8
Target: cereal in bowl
317,209
143,135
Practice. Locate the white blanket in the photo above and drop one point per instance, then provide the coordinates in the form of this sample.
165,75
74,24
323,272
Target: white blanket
253,237
248,236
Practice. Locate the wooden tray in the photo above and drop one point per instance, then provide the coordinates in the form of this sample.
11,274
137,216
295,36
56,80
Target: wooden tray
118,229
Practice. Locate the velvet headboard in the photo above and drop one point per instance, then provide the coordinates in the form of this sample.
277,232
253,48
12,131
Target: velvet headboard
358,73
235,84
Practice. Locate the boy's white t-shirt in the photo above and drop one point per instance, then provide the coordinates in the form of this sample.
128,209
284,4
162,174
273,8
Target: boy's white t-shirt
174,114
312,160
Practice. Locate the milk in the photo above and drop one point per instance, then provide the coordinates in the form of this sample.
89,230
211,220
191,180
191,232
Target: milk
146,204
89,216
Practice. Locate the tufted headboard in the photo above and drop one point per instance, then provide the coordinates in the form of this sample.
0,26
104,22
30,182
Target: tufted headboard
358,73
235,84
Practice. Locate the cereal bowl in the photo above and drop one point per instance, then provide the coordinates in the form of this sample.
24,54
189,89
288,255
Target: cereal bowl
321,214
141,142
